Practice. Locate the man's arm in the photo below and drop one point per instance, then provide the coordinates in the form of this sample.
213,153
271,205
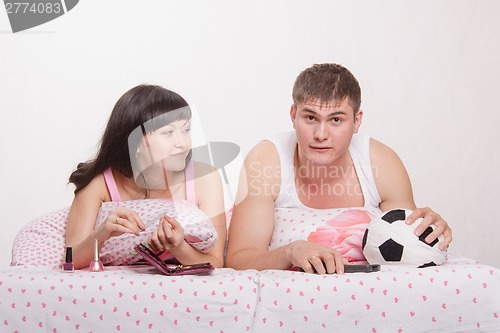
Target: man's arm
394,187
252,222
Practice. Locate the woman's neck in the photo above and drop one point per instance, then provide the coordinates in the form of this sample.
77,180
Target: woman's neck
128,188
172,186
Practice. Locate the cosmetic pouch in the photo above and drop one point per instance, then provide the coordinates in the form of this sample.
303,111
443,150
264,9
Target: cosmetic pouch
172,269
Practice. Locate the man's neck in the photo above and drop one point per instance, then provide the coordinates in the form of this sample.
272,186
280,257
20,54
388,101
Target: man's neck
308,172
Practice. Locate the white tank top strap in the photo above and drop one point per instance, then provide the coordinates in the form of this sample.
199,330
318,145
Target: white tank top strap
360,154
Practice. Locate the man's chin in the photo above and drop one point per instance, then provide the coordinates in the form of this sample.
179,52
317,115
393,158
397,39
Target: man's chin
325,161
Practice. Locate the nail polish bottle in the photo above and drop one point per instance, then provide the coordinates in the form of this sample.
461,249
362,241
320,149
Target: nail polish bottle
96,264
68,262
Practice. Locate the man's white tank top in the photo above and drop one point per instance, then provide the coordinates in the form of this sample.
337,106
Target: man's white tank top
359,150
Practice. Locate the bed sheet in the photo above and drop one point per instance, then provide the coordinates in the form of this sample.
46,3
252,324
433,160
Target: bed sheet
460,296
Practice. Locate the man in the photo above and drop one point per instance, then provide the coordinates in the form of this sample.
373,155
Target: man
321,165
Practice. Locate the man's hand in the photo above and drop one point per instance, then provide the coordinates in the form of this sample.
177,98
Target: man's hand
430,217
312,257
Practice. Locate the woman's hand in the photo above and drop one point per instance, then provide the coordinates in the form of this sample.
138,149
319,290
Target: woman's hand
119,221
312,257
168,236
430,217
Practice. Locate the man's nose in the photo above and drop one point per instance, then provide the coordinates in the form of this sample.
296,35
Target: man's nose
321,132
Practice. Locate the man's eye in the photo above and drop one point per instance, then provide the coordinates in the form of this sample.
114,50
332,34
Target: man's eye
310,118
336,120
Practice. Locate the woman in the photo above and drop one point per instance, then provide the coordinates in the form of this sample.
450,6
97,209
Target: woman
152,165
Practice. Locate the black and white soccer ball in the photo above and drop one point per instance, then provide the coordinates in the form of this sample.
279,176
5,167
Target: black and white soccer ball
389,240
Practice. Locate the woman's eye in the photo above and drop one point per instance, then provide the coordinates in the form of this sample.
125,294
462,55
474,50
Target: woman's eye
187,130
167,133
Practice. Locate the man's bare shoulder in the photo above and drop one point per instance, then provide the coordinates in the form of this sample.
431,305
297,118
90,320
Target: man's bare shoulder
382,155
391,178
261,174
264,154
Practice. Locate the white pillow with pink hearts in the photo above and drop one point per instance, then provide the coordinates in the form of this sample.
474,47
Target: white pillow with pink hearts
42,241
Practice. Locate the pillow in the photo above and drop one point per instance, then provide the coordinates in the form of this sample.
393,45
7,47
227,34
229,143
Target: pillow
341,229
42,241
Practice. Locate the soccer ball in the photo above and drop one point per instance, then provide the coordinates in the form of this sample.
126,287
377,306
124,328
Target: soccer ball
389,240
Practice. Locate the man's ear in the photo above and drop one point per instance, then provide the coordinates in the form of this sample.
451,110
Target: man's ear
293,113
358,119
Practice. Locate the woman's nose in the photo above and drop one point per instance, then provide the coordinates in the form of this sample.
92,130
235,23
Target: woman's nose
181,139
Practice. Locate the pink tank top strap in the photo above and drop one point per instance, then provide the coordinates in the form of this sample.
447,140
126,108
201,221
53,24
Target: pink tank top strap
111,185
190,192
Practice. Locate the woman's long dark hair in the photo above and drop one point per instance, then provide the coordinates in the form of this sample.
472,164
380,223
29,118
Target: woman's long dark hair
133,109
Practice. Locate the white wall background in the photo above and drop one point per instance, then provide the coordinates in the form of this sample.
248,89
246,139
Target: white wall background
429,72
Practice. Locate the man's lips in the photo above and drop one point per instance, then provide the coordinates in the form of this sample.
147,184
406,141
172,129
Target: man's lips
320,148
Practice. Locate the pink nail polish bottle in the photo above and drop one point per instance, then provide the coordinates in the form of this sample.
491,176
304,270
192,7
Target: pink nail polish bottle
68,262
96,264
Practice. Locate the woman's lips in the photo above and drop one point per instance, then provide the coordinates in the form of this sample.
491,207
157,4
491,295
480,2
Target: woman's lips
181,154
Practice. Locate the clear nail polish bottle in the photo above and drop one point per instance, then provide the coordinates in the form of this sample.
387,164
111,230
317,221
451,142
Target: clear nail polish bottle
96,264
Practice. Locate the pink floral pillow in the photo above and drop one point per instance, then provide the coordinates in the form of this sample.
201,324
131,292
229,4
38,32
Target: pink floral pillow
340,229
42,241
